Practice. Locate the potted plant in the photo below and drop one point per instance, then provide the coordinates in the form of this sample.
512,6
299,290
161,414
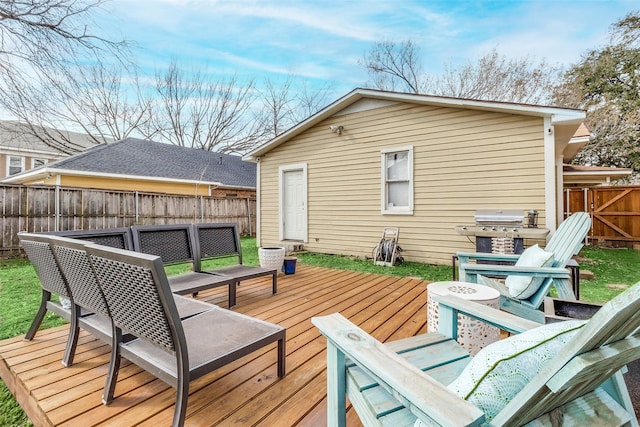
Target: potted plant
271,256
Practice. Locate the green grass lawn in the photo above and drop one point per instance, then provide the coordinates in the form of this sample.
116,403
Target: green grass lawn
610,267
19,298
20,291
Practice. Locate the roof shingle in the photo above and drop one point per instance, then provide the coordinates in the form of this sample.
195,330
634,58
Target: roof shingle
144,158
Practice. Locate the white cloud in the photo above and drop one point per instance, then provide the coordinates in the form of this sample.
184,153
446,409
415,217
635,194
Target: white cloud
325,40
559,32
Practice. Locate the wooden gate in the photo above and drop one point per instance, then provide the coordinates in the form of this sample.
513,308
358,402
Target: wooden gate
615,212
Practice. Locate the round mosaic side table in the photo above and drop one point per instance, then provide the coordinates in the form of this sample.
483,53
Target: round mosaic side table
473,334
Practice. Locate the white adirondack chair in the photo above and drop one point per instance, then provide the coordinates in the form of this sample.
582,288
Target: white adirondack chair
565,242
406,380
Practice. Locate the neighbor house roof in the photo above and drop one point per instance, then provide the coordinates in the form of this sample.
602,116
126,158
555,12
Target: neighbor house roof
578,174
133,158
560,117
19,137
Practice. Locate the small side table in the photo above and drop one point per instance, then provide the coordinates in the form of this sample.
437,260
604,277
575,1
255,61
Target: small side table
473,334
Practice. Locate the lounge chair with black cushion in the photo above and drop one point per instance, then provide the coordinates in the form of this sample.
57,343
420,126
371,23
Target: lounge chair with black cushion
112,237
219,240
174,244
173,350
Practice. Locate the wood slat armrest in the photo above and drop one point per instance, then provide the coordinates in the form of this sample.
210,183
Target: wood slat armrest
486,256
587,364
412,387
501,319
506,270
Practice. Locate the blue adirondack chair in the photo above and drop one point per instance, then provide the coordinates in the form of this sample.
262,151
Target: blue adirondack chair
565,373
565,242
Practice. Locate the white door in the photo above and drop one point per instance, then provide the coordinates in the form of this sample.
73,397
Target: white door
294,209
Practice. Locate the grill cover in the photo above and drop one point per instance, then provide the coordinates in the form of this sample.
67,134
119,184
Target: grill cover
500,217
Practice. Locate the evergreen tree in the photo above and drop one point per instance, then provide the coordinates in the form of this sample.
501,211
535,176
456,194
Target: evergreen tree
606,82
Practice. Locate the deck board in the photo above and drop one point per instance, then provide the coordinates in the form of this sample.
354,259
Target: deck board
245,392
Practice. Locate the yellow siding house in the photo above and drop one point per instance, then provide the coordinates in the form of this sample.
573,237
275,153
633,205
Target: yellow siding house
148,166
375,159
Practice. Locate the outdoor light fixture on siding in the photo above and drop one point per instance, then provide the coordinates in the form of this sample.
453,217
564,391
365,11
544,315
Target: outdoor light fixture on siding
336,129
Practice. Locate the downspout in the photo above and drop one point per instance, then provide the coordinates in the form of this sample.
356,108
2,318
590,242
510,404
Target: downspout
551,181
559,188
258,206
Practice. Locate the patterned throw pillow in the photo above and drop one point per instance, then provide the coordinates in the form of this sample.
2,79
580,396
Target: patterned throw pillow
501,370
522,287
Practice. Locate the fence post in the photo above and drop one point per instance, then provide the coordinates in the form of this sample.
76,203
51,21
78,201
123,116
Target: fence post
249,216
585,195
56,225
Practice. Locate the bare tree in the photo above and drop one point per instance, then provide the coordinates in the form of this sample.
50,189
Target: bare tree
37,113
112,106
200,112
41,43
310,101
498,78
393,66
278,106
106,104
289,102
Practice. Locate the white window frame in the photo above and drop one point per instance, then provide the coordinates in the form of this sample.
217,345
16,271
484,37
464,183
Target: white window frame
34,159
396,210
9,165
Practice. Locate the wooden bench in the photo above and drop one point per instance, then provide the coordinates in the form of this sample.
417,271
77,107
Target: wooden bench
221,240
179,243
173,243
120,238
174,350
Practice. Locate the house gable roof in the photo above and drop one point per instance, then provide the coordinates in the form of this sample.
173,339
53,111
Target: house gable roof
377,98
133,158
578,141
17,136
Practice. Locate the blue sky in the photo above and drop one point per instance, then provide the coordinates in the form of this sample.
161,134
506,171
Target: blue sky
321,42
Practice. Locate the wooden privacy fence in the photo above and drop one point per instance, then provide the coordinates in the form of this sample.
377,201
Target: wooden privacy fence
47,208
615,213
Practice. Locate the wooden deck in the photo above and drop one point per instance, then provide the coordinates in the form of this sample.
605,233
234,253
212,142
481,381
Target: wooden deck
246,392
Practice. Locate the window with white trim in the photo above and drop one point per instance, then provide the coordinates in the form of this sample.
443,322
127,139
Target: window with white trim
36,163
15,164
397,180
